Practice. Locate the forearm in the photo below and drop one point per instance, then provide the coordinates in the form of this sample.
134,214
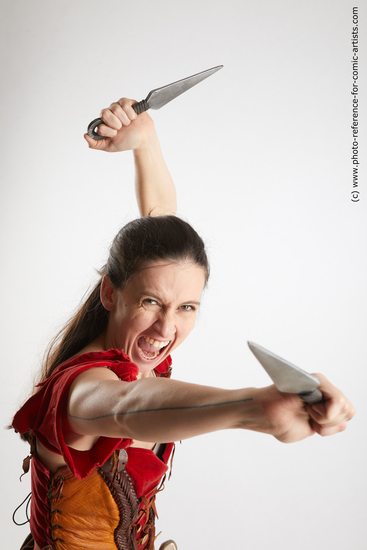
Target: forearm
123,131
169,410
154,187
163,410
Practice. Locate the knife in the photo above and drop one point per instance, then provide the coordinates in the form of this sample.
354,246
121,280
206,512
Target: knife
287,377
159,97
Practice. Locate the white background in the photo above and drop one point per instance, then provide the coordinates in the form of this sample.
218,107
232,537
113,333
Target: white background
261,156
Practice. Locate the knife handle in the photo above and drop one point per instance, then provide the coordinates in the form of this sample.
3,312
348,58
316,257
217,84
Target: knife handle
138,108
311,397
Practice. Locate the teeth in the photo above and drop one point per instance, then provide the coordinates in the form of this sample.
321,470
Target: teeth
156,343
152,356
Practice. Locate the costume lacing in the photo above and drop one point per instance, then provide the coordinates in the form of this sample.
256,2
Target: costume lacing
136,528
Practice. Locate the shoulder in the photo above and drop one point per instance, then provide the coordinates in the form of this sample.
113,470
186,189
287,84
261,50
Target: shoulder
113,360
94,374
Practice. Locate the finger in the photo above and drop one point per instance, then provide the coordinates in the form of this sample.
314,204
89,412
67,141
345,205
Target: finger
325,411
325,431
110,119
105,131
126,105
331,411
120,114
325,416
334,405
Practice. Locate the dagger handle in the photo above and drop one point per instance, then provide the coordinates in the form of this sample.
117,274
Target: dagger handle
141,106
138,108
311,397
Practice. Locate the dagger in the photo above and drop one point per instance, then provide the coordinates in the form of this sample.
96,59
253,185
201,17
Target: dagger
287,377
159,97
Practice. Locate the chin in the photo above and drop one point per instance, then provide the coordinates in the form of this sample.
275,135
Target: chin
146,366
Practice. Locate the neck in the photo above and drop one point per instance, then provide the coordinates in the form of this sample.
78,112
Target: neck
150,374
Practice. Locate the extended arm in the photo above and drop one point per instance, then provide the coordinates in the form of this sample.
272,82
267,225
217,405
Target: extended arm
167,410
124,130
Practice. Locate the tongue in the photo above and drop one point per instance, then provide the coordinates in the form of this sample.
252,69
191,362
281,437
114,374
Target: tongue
145,346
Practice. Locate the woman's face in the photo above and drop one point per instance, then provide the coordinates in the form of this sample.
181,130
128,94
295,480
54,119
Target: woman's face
155,311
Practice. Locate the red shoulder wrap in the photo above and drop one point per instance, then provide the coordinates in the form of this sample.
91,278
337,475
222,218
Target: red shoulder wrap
43,412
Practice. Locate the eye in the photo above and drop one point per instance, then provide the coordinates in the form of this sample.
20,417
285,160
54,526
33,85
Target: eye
187,307
150,302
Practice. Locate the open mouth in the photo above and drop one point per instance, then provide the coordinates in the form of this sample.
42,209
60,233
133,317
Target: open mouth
149,348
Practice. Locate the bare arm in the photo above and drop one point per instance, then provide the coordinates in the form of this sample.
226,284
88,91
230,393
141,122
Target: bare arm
154,187
168,410
124,130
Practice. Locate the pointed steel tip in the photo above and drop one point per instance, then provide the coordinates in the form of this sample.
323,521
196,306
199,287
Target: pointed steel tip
256,348
211,70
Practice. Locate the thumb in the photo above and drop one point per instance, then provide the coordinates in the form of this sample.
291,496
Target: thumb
94,143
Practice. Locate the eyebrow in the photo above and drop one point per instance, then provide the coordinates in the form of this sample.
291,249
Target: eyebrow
152,295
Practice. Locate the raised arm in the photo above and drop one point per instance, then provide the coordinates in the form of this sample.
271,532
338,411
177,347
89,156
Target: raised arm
125,130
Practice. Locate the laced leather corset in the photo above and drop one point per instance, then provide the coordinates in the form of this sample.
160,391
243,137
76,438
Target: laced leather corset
103,511
95,502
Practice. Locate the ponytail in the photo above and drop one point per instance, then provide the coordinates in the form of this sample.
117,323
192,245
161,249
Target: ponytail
89,321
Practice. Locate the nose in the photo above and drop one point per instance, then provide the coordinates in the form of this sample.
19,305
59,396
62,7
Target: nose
165,325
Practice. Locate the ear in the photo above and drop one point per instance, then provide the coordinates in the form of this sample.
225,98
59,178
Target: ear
107,293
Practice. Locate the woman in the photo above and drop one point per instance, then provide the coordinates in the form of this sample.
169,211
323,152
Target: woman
101,423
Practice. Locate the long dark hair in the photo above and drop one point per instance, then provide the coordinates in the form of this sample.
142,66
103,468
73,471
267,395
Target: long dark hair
141,241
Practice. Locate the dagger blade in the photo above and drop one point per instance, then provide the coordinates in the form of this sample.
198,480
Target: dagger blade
287,377
161,96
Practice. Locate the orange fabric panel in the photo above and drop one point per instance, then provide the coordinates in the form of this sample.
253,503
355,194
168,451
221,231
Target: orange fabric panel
84,523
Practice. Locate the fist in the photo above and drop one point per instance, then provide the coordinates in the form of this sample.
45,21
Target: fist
123,129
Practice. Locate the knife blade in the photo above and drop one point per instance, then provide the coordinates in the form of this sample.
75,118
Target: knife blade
159,97
287,377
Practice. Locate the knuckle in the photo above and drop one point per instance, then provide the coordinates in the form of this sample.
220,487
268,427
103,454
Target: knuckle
352,412
112,120
126,105
340,402
345,407
115,107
